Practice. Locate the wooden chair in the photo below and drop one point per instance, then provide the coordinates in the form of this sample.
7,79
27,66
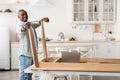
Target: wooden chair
33,45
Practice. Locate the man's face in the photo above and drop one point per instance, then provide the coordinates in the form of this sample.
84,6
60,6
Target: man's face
22,15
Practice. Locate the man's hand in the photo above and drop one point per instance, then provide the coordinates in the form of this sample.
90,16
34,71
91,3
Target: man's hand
46,19
27,25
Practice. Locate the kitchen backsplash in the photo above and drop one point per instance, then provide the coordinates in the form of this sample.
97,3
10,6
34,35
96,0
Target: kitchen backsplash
82,33
88,32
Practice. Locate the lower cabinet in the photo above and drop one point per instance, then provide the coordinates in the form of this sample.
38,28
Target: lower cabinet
114,50
108,50
14,56
108,77
102,50
98,77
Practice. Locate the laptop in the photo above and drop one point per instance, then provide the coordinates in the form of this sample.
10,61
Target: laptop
70,57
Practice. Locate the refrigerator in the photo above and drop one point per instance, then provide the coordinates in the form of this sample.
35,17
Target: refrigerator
4,48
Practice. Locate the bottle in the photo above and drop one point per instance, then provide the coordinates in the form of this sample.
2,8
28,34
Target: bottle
95,8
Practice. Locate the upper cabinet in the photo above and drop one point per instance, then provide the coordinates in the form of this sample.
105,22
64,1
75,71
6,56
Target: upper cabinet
94,11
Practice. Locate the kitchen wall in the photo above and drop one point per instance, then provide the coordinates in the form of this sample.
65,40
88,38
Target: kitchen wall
117,25
60,14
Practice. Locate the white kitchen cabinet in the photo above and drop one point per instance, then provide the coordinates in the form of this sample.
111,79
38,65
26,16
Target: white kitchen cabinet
14,56
114,50
102,50
94,11
108,50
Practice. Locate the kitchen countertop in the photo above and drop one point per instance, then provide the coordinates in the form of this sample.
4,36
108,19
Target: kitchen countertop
89,41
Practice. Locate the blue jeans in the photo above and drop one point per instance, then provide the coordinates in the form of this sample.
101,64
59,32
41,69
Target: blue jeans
25,62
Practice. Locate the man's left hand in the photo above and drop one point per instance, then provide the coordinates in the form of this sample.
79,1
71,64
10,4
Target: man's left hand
46,19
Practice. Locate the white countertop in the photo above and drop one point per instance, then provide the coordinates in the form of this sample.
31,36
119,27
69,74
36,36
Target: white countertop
90,41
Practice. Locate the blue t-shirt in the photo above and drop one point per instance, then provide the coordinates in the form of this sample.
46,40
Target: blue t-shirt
24,44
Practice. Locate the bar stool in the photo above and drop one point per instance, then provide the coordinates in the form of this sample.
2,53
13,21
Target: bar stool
40,54
59,77
59,50
86,51
58,54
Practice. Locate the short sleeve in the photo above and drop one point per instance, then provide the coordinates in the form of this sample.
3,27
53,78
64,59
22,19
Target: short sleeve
35,25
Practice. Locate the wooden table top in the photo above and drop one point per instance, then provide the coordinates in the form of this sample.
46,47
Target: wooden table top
91,65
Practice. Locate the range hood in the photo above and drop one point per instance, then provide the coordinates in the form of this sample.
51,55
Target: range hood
31,2
40,2
12,1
